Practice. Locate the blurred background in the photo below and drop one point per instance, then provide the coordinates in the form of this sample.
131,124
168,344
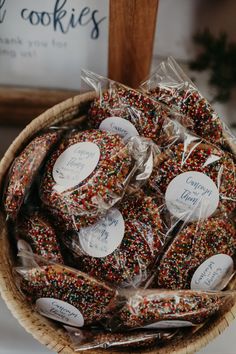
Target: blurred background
201,36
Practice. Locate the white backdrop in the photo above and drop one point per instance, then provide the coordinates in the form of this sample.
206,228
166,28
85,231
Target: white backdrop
46,43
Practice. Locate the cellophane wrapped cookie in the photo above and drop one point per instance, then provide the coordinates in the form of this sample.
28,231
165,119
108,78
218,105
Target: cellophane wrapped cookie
95,339
24,169
35,229
201,256
88,174
171,86
127,112
123,246
196,179
64,294
159,308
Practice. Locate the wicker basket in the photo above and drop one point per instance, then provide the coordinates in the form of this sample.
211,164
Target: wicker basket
46,331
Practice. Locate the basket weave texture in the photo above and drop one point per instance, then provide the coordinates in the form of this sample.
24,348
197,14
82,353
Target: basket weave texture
46,331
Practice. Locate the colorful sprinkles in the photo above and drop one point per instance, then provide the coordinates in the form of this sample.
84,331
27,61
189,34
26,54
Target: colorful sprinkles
93,298
37,230
147,307
131,263
191,247
24,169
86,202
201,157
146,115
189,101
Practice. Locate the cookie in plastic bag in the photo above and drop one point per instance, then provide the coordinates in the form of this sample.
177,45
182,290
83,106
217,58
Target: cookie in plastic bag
64,294
123,246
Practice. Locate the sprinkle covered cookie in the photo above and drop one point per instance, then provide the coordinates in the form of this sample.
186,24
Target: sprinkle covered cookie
169,85
36,229
188,101
146,116
205,159
24,169
146,307
138,227
91,297
86,176
192,246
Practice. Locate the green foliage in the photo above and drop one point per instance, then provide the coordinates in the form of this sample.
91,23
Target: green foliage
218,56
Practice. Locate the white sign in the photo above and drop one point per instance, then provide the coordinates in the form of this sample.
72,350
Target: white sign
214,273
192,196
75,164
60,311
46,43
105,236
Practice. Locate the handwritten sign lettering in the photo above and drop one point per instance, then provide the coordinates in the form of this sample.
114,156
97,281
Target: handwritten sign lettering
2,10
62,20
52,36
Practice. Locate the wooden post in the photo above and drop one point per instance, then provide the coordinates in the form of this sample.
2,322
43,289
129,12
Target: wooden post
131,37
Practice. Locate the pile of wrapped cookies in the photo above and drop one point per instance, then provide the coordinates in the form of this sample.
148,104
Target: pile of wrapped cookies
123,222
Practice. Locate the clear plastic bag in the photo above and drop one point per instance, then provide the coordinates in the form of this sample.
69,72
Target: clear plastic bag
24,169
201,256
89,173
123,110
195,178
63,293
123,246
171,86
35,231
94,339
157,308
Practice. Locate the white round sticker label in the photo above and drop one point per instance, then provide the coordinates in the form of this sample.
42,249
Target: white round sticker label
169,324
60,311
214,273
119,126
192,196
75,164
103,238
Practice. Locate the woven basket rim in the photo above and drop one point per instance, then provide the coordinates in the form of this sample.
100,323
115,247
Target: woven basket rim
43,330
